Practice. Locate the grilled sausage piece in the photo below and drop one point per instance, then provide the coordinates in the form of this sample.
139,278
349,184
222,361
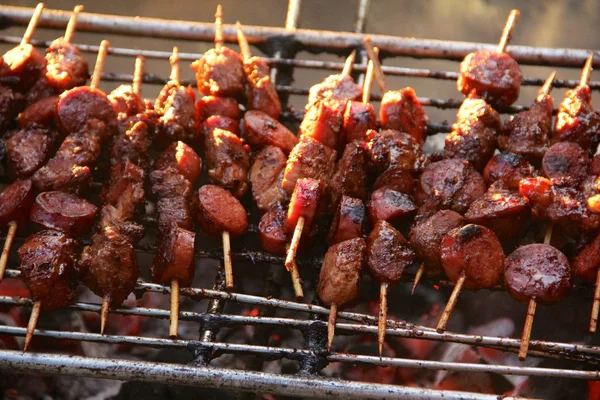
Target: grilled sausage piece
21,66
174,257
262,130
176,107
64,212
305,202
15,202
537,270
586,263
217,121
27,151
391,206
66,66
324,122
566,160
219,211
273,237
392,148
475,251
11,104
577,121
359,118
336,87
389,253
395,178
402,111
426,237
348,221
227,160
340,273
126,102
182,157
509,168
493,76
209,106
41,114
350,176
308,159
76,107
266,175
219,72
47,261
260,92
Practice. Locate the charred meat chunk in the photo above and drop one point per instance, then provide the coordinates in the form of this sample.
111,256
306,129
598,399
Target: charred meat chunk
262,130
388,253
347,221
308,159
219,211
266,175
401,110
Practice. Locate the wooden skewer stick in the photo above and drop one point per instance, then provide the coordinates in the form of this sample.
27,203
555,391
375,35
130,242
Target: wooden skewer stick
174,317
418,277
595,305
10,237
99,67
443,322
381,81
368,84
546,87
104,310
586,73
243,42
219,28
33,320
72,24
175,67
511,22
227,260
349,64
383,310
33,22
290,260
331,325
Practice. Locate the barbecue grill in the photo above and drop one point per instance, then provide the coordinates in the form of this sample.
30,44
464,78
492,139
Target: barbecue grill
282,45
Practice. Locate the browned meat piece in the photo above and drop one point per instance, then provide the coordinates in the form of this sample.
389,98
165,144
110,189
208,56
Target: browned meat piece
335,87
273,237
401,110
40,90
339,281
586,263
473,136
177,115
265,177
219,72
260,92
509,168
63,212
475,251
67,67
305,202
11,104
21,67
595,166
537,270
577,121
111,219
27,151
15,202
133,145
426,237
41,114
228,161
389,254
503,211
450,184
126,102
566,160
219,211
169,183
395,178
392,148
528,132
125,189
174,210
350,176
110,266
174,257
359,118
47,261
391,206
261,130
183,158
324,122
77,107
347,221
308,159
225,123
209,106
493,76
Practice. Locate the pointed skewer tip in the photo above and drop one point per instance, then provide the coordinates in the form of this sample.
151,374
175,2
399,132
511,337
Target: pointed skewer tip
33,320
104,310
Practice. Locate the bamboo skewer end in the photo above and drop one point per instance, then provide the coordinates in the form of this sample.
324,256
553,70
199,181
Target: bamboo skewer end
331,325
382,322
174,324
10,237
227,260
443,322
526,336
33,320
104,313
418,276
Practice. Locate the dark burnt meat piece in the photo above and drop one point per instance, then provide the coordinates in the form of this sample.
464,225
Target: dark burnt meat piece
219,72
15,202
493,76
308,159
450,184
174,257
125,189
260,92
78,106
401,110
566,160
262,130
63,212
347,221
503,211
473,136
577,121
174,210
27,151
335,87
169,182
47,262
132,145
66,67
11,104
537,271
339,280
475,251
425,238
41,114
586,263
359,118
392,148
20,67
219,211
176,109
273,237
350,176
324,122
181,157
228,161
305,202
389,254
509,168
126,102
209,106
113,219
225,123
396,178
391,206
40,90
528,132
266,175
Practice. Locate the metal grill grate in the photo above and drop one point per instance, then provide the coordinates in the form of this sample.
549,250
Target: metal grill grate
282,45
